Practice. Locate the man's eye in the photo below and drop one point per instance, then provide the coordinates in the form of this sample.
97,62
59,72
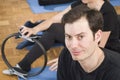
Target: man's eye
80,37
68,37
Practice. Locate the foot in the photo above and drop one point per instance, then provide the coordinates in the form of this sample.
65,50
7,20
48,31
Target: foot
9,71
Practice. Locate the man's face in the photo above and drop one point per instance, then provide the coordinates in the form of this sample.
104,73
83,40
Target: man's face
79,39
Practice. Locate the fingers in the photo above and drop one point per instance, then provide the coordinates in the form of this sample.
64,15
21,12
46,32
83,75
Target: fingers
54,66
52,61
26,31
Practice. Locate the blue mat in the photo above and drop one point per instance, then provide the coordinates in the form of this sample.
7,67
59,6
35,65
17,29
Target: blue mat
36,8
115,2
45,75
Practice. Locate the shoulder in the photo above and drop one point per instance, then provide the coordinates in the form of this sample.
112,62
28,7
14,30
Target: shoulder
113,57
64,63
65,57
107,7
65,53
64,50
113,72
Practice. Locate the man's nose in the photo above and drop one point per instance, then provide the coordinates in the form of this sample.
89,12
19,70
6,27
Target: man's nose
74,43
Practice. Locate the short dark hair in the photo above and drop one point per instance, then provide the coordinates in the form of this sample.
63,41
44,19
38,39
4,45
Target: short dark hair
94,17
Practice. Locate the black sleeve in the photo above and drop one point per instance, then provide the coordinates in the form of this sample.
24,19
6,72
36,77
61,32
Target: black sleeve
110,21
76,3
110,17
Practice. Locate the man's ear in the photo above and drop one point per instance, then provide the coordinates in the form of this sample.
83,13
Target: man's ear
98,36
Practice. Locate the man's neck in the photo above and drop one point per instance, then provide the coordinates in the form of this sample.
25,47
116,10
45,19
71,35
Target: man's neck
93,62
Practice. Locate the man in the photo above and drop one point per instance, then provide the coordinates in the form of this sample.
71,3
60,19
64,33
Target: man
49,37
83,59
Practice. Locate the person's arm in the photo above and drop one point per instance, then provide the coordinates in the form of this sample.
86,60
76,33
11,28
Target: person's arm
44,25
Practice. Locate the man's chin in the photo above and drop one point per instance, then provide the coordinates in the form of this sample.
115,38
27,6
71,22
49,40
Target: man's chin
75,58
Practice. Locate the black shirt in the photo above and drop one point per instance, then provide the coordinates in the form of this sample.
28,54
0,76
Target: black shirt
69,69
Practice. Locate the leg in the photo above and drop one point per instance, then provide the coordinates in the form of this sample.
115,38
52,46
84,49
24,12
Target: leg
54,34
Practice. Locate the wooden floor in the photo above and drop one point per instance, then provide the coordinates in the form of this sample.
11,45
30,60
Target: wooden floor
13,13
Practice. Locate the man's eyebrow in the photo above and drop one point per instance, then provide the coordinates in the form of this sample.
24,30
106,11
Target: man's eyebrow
80,33
77,34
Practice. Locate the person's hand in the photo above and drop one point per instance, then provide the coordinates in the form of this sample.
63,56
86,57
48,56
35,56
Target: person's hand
27,31
53,64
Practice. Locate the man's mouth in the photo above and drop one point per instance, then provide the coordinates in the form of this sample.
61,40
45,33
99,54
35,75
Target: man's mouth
76,53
